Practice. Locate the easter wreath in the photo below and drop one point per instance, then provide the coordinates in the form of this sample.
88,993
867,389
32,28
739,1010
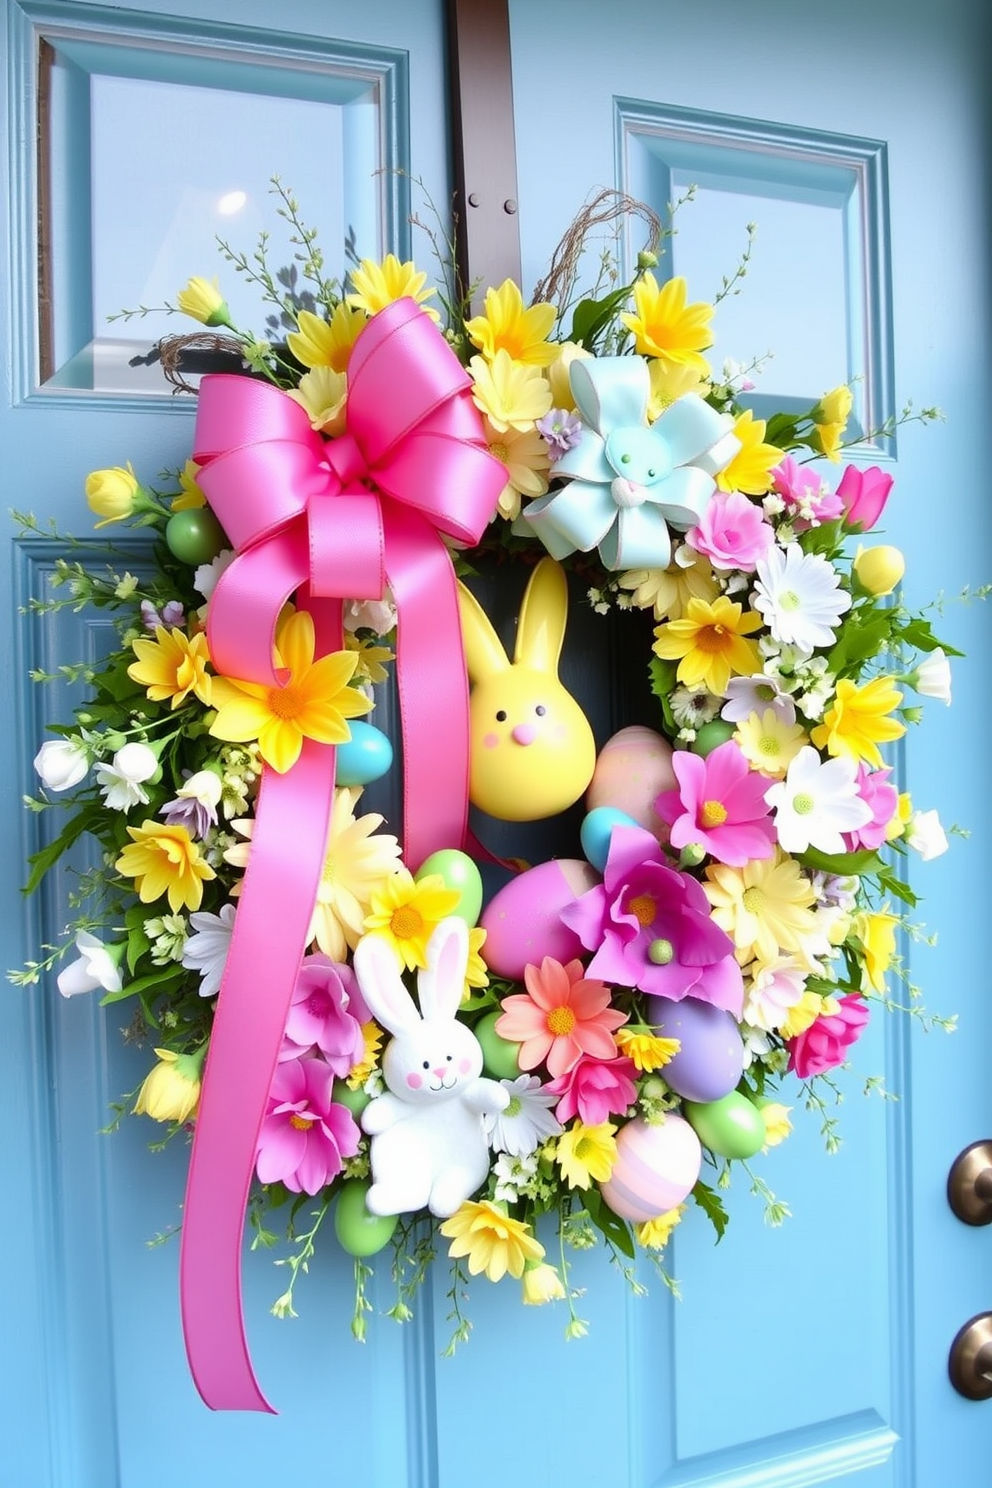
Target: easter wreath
346,1028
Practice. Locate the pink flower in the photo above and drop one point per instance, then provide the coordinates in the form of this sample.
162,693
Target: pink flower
595,1089
864,494
720,804
305,1135
732,532
826,1041
560,1017
327,1011
807,499
883,801
651,927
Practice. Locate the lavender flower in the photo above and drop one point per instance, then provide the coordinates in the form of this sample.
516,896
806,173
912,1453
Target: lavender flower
560,430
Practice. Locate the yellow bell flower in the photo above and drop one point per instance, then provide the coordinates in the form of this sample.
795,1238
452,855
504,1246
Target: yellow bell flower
541,1283
202,300
171,1091
879,569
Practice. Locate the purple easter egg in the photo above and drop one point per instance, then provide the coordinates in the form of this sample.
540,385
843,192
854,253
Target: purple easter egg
656,1168
711,1059
522,921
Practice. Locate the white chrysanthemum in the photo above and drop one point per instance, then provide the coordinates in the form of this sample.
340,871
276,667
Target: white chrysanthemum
800,597
775,988
817,802
527,1120
206,950
747,695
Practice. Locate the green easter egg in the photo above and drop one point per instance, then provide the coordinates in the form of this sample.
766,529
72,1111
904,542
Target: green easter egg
732,1126
498,1053
460,873
359,1232
354,1100
710,735
196,536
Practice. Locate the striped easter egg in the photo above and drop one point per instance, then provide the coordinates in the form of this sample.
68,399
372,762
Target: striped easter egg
656,1168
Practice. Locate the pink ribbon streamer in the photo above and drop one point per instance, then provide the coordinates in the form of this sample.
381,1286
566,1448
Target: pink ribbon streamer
323,521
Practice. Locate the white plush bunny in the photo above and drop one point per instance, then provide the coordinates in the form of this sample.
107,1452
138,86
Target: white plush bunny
429,1145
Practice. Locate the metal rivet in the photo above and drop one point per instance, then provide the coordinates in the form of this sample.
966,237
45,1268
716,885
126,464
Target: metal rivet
509,206
473,199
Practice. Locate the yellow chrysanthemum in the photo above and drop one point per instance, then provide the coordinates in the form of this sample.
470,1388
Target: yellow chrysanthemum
506,326
476,970
751,468
358,859
172,666
654,1234
768,743
777,1123
670,381
541,1283
322,393
647,1050
804,1013
372,658
510,394
377,285
766,906
525,456
359,1073
493,1242
586,1154
709,641
165,860
326,343
858,720
406,912
171,1090
668,590
877,933
314,703
559,375
665,327
190,497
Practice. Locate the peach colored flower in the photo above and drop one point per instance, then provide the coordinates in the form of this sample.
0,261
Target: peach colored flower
560,1017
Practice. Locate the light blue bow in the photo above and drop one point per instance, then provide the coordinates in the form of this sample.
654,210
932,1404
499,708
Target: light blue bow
629,479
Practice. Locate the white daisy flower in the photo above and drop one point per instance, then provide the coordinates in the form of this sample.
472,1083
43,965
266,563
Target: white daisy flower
817,802
925,835
693,707
206,950
747,695
122,782
799,596
527,1120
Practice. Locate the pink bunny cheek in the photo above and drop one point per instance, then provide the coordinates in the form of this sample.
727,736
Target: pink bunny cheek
414,1081
490,740
464,1065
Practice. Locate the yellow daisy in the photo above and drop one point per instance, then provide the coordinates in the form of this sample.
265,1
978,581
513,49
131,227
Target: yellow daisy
493,1242
313,704
668,590
665,327
709,641
506,326
165,860
647,1050
670,381
510,394
476,971
586,1154
857,721
768,743
406,912
326,343
751,468
322,393
358,858
377,285
172,666
525,456
372,658
654,1234
372,1035
766,906
190,497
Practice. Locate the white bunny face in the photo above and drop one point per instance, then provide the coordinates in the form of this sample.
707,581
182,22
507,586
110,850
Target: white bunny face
432,1062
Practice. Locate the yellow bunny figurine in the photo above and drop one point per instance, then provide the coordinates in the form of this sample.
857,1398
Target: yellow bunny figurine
532,750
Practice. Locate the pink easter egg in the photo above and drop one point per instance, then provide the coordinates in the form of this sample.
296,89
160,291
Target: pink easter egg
522,921
633,768
656,1168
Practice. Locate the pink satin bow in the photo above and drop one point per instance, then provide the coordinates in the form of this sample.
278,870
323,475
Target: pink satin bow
324,521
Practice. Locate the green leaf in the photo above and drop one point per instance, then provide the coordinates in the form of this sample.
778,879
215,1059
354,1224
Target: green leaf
616,1230
893,885
158,982
712,1206
592,316
842,864
83,821
860,642
662,676
919,634
137,939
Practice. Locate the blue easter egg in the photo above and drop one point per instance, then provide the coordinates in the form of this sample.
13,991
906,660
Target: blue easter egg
367,755
596,830
710,1061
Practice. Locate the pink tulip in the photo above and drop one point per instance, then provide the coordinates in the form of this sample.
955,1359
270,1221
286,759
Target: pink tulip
864,494
826,1041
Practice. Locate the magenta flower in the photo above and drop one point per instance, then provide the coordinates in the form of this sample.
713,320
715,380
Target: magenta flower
826,1041
650,927
807,498
327,1012
595,1089
720,804
864,494
882,800
732,532
305,1135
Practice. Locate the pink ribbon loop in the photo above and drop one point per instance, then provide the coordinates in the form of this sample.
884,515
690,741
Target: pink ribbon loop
322,522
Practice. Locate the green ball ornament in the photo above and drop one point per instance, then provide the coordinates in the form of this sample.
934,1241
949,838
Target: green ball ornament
710,735
353,1100
498,1053
731,1127
196,536
359,1232
460,873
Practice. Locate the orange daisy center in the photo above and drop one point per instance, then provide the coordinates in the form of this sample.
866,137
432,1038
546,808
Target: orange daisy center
300,1122
713,814
561,1021
287,702
644,909
406,922
710,638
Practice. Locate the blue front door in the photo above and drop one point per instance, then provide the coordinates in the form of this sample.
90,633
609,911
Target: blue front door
797,1354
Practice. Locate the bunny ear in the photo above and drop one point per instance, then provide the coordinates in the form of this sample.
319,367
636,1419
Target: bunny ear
484,654
378,973
543,613
441,984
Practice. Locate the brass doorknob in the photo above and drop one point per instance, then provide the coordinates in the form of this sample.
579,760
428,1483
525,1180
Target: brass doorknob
969,1184
970,1361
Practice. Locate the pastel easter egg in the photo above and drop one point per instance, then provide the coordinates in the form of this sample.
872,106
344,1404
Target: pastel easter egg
359,1232
195,536
461,873
711,1058
732,1126
710,735
499,1054
523,920
596,831
354,1100
656,1168
633,768
365,757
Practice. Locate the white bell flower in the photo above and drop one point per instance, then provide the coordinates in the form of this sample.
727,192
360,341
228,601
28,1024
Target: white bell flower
61,763
122,782
925,835
96,966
